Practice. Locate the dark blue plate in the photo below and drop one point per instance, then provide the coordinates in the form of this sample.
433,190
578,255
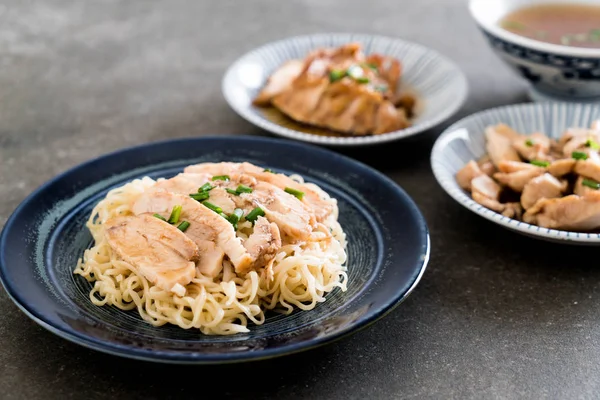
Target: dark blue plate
388,249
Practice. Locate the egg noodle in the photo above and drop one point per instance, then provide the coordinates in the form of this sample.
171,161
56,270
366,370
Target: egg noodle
303,273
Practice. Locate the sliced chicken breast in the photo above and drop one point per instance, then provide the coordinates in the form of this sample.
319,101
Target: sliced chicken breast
264,243
560,168
499,144
533,147
517,180
576,213
280,81
467,174
162,253
544,186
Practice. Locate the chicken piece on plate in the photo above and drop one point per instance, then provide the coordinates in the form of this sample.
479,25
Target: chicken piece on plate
578,139
575,213
486,165
485,186
264,243
580,189
182,183
589,168
517,180
515,166
560,168
499,144
544,186
279,81
467,174
510,210
533,147
162,253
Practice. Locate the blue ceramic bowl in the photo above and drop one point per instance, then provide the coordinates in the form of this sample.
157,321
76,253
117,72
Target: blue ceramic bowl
555,72
388,249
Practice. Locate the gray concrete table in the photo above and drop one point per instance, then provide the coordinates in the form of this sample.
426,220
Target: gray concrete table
495,316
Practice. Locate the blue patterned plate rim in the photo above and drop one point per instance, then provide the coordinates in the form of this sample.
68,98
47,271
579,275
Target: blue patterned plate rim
8,261
458,82
447,181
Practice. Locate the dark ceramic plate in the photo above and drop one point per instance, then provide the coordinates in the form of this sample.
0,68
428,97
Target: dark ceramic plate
388,249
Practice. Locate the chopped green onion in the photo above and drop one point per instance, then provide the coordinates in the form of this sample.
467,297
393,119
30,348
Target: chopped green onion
595,35
529,143
205,188
183,226
222,214
363,79
231,191
579,155
540,163
175,213
244,189
299,194
160,217
254,214
592,144
213,207
336,75
268,170
355,72
200,196
591,183
221,178
373,66
235,217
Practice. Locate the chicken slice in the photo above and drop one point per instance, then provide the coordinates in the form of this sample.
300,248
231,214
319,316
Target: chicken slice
162,253
515,166
485,186
302,98
467,174
499,144
574,213
390,118
577,139
184,183
589,168
580,189
544,186
279,81
486,165
517,180
264,243
211,232
533,147
510,210
560,168
320,207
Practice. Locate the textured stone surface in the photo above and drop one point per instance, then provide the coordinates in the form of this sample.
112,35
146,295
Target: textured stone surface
496,315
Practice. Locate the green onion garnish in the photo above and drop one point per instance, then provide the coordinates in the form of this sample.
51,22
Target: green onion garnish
222,214
363,79
299,194
254,214
205,188
591,183
231,191
221,178
160,217
592,144
200,196
183,226
213,207
373,66
235,217
529,143
579,155
540,163
336,75
268,170
175,213
244,189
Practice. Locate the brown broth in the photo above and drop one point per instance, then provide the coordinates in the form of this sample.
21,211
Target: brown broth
576,25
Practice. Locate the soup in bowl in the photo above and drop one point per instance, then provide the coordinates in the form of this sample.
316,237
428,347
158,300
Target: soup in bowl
554,45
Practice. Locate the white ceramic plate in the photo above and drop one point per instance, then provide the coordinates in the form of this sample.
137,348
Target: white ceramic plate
438,83
465,141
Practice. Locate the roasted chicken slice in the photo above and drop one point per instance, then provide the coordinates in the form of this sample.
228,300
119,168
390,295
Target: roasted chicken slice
499,144
544,186
162,253
573,212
